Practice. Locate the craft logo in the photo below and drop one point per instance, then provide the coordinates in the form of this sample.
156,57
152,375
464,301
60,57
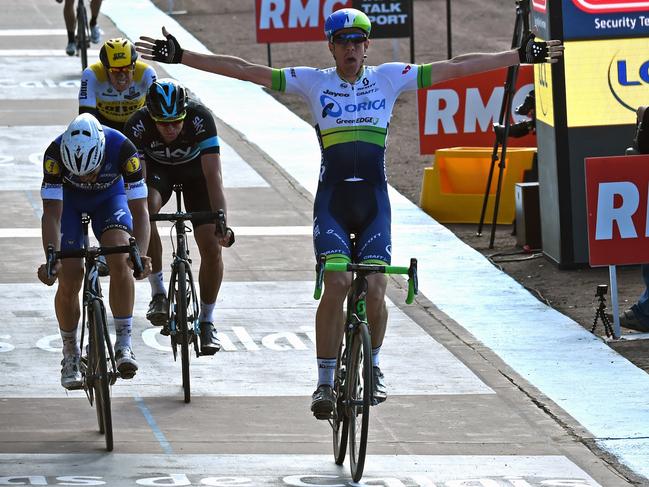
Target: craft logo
628,81
540,5
609,6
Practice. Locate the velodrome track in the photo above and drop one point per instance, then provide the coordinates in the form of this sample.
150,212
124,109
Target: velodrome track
480,393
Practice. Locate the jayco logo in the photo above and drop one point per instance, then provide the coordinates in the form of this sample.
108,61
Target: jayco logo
119,55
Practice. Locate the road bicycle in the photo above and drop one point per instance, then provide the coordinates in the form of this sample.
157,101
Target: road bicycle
353,376
98,369
183,325
83,33
82,36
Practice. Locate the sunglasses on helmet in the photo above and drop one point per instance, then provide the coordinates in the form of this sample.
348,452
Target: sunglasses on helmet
353,37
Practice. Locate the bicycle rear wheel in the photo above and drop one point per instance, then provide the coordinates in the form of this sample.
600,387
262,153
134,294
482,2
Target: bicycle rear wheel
82,34
359,393
98,370
340,421
181,324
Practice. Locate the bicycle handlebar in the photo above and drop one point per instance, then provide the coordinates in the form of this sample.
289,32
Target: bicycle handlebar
131,249
217,216
364,269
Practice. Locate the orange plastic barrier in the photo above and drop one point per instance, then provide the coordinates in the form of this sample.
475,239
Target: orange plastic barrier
453,188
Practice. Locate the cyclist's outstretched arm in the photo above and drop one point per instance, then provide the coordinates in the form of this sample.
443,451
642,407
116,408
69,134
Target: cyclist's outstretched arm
168,50
529,52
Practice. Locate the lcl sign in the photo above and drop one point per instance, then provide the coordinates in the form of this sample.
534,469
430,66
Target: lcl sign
617,202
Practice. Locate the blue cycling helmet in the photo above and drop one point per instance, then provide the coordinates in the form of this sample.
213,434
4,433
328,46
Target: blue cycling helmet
346,18
166,100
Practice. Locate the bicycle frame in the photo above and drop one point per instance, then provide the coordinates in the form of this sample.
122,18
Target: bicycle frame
353,379
183,324
83,33
97,377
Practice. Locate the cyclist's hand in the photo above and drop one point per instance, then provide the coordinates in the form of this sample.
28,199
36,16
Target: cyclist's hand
533,52
226,240
146,266
165,50
42,273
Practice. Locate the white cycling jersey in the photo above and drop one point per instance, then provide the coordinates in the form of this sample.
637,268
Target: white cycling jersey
351,119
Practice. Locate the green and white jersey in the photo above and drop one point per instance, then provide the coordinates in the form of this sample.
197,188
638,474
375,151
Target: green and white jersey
352,119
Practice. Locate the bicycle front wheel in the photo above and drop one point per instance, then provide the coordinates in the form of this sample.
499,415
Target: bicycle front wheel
98,368
82,35
182,325
340,421
359,394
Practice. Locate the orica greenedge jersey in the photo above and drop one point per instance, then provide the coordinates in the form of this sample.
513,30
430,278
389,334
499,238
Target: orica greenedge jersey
351,119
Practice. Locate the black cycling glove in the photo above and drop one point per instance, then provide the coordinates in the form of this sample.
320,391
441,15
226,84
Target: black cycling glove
167,51
532,52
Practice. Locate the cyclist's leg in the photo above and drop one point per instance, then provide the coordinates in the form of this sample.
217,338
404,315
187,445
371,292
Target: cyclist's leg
159,193
375,246
112,221
66,300
69,15
95,31
331,239
210,274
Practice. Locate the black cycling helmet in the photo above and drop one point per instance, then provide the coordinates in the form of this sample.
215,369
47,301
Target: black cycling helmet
117,53
166,100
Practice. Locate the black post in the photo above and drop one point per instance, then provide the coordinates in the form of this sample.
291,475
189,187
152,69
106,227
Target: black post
449,37
412,32
270,60
521,27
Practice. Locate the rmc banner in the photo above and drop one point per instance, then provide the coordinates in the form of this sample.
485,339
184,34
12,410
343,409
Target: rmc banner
303,20
461,112
617,191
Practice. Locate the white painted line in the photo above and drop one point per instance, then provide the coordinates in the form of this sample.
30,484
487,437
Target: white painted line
42,53
21,156
240,231
292,470
267,333
32,32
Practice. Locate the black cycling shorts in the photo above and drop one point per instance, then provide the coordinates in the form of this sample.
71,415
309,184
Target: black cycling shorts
162,177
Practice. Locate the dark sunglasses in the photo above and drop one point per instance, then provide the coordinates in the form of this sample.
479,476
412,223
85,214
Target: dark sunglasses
122,69
353,37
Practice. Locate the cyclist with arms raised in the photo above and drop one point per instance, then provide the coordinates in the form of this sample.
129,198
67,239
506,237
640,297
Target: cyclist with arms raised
177,139
114,88
351,104
95,170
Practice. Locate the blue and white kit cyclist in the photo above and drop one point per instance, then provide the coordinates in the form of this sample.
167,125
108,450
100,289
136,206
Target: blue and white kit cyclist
95,170
351,105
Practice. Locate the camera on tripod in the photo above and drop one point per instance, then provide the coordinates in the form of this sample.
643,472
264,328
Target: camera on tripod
520,129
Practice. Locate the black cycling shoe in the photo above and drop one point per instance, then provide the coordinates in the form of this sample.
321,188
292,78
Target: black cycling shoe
158,313
209,341
322,402
380,391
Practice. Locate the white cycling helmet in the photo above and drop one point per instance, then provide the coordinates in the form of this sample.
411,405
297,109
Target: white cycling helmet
82,145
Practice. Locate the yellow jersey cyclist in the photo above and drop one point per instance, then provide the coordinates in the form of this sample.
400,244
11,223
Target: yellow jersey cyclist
177,139
114,88
351,104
